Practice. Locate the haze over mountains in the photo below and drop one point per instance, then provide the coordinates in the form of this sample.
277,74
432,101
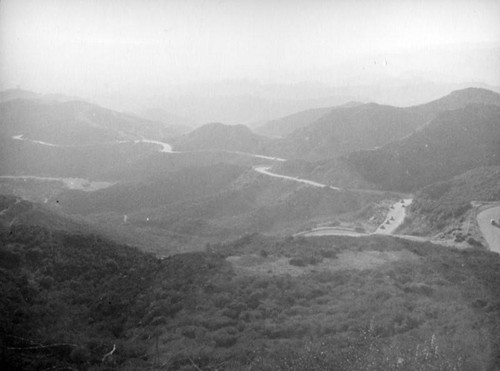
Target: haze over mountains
224,207
250,185
367,146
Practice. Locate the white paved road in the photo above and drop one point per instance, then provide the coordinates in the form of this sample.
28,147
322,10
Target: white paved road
265,170
490,232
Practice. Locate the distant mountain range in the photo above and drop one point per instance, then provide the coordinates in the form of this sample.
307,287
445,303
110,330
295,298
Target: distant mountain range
342,130
74,123
181,124
330,132
51,137
13,94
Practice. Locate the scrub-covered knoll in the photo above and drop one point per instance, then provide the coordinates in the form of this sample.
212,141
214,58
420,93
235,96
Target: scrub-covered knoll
415,307
442,203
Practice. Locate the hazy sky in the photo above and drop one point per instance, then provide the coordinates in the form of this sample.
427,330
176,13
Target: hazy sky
75,46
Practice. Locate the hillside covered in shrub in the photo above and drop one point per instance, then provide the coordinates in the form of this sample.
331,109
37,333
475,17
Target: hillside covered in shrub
451,144
437,205
257,303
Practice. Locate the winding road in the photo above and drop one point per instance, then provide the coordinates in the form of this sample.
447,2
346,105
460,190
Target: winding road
490,232
393,220
265,170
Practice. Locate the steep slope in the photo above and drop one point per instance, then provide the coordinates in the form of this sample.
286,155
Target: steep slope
454,142
68,297
368,126
348,129
15,211
334,171
222,137
286,125
444,207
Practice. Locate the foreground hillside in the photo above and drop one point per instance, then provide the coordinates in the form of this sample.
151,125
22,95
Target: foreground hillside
66,299
254,304
453,143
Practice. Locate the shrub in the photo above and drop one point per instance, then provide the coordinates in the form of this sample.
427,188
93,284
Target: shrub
223,338
298,262
473,242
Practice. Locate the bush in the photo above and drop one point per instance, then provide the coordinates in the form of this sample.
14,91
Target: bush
298,262
224,339
473,242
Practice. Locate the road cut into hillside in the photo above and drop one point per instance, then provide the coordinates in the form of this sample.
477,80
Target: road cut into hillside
392,221
265,170
395,217
489,229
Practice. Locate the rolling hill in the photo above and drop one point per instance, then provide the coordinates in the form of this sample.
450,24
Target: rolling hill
457,99
193,205
73,123
222,137
367,126
348,129
46,137
451,144
288,124
444,205
80,301
16,211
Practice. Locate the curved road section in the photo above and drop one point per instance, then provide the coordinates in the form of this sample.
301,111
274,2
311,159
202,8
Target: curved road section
265,170
393,220
491,232
395,217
